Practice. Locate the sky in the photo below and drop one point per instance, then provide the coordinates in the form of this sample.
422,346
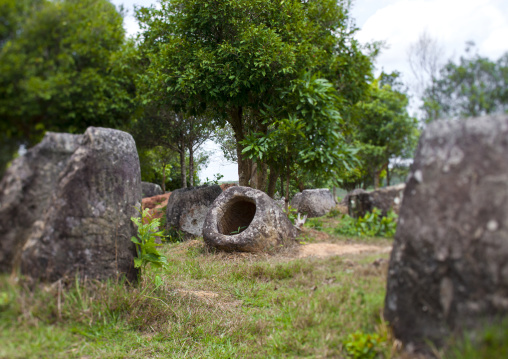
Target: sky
399,23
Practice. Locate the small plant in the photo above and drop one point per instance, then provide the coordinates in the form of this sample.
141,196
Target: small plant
217,178
333,213
4,300
360,345
292,214
373,224
163,218
174,235
146,247
316,223
240,229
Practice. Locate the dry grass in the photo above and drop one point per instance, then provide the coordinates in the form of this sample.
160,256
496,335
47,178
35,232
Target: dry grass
208,305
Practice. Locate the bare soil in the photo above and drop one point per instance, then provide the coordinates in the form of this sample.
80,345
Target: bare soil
322,250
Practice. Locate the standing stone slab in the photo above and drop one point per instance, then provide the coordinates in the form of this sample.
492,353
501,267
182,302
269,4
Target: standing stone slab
25,192
314,202
449,265
149,189
247,220
187,208
385,199
87,226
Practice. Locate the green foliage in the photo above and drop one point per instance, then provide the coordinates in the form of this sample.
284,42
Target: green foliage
361,345
474,86
162,165
174,235
239,230
334,212
383,131
316,223
66,67
146,247
216,178
292,214
491,342
237,56
373,224
306,134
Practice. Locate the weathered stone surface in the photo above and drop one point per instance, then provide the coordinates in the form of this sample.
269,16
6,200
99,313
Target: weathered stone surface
247,220
150,189
313,202
345,200
26,189
86,226
225,186
449,265
295,202
389,198
187,208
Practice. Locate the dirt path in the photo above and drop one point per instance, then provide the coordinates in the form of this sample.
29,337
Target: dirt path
330,249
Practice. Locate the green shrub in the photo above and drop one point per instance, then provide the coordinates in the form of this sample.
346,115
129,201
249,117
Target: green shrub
373,224
174,235
363,346
146,247
292,214
316,223
333,213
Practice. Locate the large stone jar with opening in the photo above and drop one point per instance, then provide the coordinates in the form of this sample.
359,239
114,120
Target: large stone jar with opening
247,220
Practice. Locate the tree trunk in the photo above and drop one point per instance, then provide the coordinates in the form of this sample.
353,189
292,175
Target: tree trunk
163,177
282,184
236,121
377,174
272,181
183,170
301,185
287,186
387,176
191,166
262,176
253,181
376,179
262,167
335,194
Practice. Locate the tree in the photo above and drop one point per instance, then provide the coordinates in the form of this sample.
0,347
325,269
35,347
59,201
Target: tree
12,13
65,67
425,58
225,138
158,127
306,134
156,164
236,56
475,86
384,130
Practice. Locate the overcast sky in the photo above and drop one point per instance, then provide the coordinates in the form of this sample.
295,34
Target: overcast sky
399,23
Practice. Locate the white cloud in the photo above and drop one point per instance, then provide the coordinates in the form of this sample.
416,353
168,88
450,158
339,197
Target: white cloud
452,22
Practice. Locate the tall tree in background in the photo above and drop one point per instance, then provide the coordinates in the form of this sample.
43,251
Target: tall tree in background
475,86
64,66
236,56
425,58
383,131
158,128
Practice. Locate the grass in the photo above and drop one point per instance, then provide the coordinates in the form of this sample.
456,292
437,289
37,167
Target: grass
209,305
